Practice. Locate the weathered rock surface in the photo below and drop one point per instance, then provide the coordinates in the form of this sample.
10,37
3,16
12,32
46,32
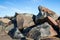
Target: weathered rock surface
51,38
24,20
43,30
4,35
18,34
44,12
9,28
5,21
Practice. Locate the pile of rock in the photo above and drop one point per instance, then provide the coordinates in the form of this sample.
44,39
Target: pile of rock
29,27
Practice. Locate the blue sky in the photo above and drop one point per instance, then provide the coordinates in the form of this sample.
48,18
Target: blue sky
9,7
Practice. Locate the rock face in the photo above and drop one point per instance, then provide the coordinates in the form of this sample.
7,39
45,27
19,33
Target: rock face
18,34
8,28
5,37
51,38
24,21
4,22
44,12
43,30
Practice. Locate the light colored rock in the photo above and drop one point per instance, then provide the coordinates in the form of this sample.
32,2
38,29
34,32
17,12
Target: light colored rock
5,20
24,20
1,28
4,36
9,27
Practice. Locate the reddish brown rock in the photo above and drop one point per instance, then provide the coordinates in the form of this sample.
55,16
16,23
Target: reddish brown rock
52,32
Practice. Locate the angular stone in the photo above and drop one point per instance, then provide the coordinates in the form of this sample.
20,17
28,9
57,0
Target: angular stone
5,21
9,28
43,30
24,20
18,34
44,12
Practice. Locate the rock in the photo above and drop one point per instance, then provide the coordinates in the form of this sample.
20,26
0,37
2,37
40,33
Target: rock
9,27
29,39
42,30
44,12
5,20
20,21
51,38
4,36
18,34
1,28
24,20
52,32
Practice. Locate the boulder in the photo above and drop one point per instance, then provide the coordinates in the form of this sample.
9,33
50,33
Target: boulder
24,20
1,28
4,21
44,12
4,35
9,28
13,32
18,34
43,30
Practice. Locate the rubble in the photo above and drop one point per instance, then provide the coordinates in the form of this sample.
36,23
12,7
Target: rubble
23,26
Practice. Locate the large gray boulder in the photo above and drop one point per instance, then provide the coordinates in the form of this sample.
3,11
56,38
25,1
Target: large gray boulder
40,31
